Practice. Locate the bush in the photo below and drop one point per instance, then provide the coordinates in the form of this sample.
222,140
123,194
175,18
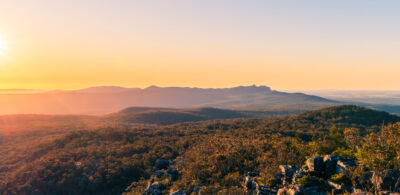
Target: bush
308,181
348,153
341,179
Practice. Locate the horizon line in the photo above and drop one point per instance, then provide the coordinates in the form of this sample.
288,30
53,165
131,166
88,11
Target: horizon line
193,87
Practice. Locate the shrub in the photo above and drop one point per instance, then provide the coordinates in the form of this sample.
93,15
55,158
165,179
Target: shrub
308,181
341,179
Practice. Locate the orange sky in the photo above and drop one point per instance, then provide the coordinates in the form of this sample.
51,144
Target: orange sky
318,45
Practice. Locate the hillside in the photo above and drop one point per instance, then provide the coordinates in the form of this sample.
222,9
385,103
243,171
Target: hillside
105,100
167,116
210,155
133,116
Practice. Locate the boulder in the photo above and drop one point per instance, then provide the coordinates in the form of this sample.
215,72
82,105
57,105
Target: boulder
172,173
298,174
288,170
314,190
161,164
159,173
385,180
249,184
335,185
316,164
330,162
179,192
343,164
155,188
263,190
397,186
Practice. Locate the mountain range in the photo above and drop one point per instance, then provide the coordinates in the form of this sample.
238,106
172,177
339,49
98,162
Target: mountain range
105,100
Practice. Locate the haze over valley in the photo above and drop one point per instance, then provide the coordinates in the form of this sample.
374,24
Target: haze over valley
105,100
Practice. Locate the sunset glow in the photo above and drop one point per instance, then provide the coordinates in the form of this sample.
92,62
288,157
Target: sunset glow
298,45
2,46
177,97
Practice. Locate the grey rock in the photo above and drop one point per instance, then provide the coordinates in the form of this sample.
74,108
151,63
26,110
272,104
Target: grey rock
159,173
288,170
314,190
263,190
298,174
316,164
155,188
172,173
249,184
385,180
161,164
397,186
343,164
330,162
179,192
335,185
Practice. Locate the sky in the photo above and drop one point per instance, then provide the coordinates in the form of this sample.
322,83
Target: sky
311,44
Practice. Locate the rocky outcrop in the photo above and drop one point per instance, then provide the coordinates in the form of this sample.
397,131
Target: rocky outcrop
164,174
253,187
314,177
288,172
327,174
319,176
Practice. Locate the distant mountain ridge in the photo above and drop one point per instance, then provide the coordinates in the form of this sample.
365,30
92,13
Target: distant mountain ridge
108,99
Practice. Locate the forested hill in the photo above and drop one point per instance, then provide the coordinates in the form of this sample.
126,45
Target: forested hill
210,155
167,116
349,114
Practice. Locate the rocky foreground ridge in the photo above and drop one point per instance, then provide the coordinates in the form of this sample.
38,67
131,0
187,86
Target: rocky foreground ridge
330,174
327,175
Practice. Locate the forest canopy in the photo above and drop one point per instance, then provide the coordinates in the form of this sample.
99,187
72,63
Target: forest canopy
212,155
